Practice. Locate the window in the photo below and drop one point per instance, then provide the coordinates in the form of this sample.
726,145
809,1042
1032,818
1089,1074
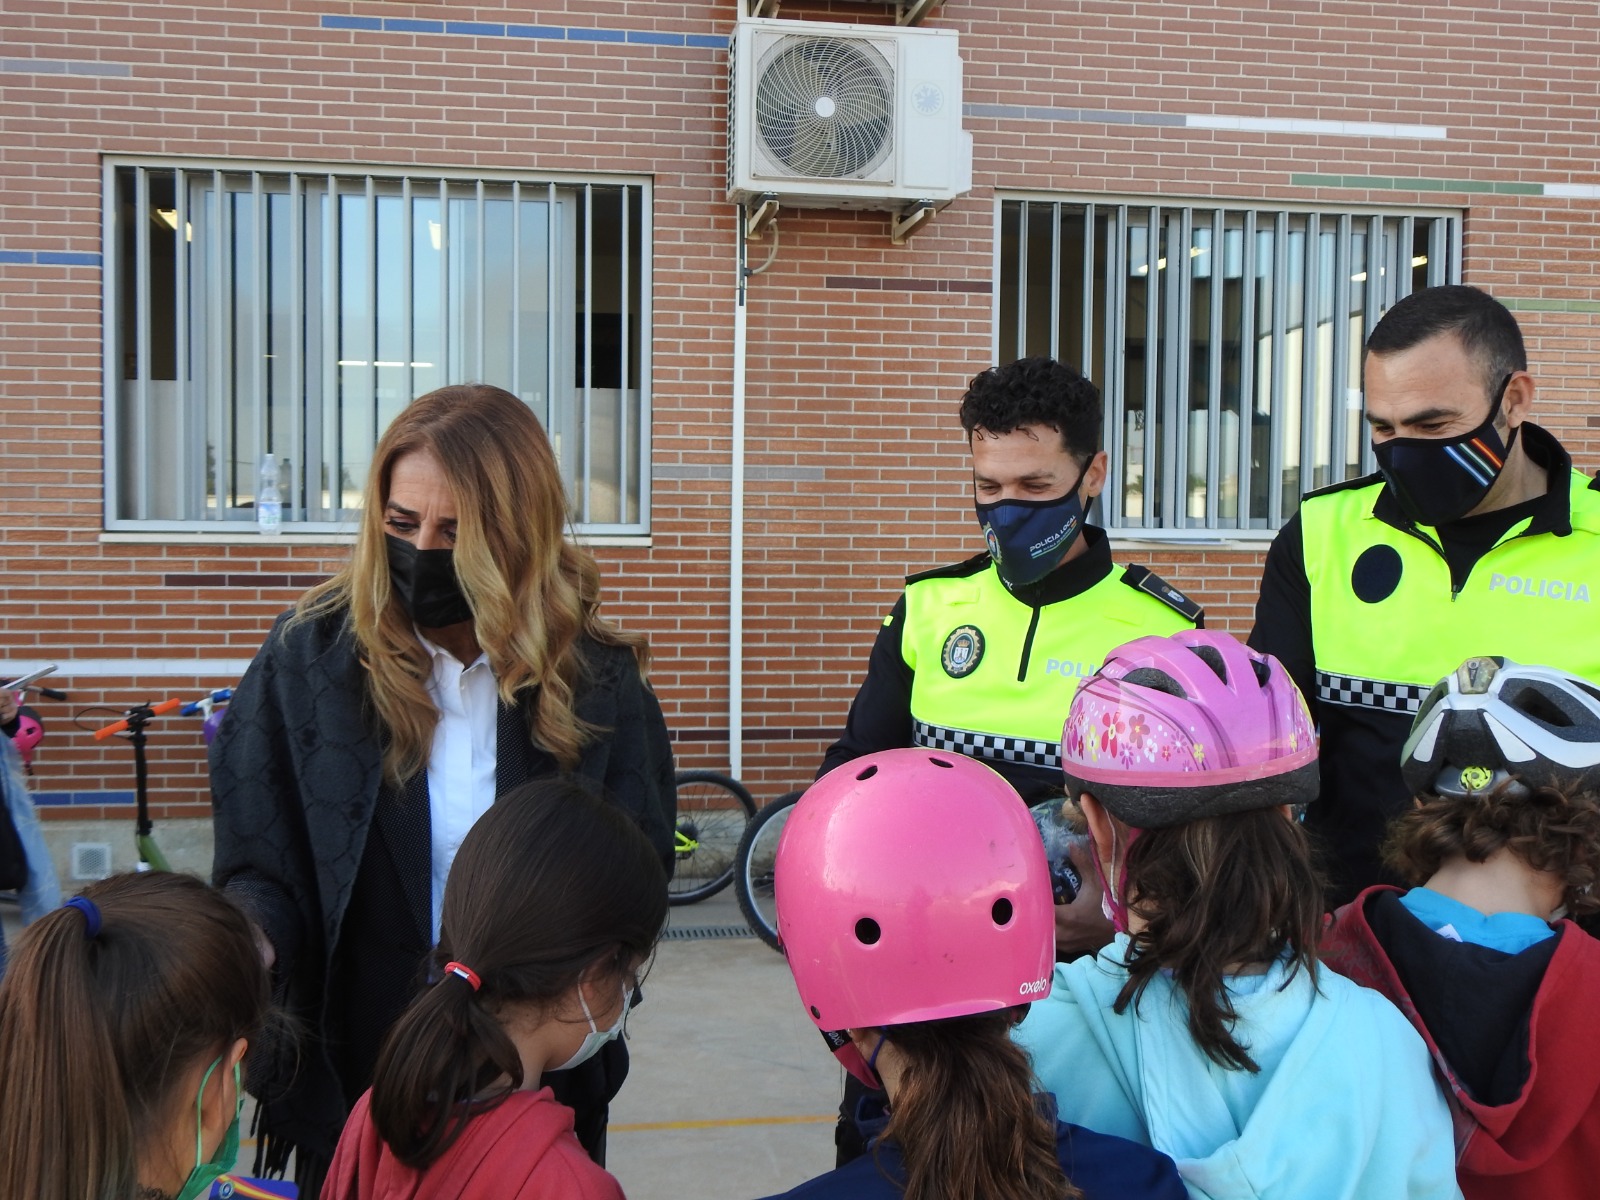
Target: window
299,311
1227,342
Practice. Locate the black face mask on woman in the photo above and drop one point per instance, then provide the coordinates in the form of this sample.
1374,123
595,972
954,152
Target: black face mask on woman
1440,480
425,581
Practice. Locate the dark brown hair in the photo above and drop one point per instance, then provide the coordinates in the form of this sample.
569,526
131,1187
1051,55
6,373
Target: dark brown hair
1549,829
534,594
96,1034
965,1116
551,882
1217,895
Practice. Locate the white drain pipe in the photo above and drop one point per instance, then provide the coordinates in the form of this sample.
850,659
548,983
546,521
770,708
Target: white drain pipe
736,521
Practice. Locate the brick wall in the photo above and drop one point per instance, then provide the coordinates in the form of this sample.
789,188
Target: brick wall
858,349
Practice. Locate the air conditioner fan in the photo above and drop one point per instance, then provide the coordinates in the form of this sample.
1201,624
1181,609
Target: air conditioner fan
824,106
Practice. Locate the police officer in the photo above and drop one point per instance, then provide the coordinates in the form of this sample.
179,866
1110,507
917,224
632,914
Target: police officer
1475,536
982,658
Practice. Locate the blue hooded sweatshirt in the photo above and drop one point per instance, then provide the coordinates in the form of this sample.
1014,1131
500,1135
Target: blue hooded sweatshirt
1344,1107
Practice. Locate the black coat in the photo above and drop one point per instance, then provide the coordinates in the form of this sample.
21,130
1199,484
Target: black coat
336,867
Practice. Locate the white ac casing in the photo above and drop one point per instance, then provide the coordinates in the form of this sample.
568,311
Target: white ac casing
927,156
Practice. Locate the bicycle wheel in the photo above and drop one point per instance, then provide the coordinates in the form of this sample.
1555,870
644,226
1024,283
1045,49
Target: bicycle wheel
712,813
758,851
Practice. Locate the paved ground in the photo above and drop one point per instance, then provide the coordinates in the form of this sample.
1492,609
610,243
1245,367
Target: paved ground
732,1093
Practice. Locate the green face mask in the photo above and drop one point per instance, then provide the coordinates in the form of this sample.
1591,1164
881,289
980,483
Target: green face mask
206,1172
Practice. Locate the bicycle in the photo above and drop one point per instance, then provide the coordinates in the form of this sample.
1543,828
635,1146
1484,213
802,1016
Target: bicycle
713,811
758,851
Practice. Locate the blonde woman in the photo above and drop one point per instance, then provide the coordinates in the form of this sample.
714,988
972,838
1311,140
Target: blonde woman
459,654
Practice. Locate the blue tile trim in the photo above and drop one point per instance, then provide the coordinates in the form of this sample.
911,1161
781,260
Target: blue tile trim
62,799
50,258
559,33
475,28
372,23
63,66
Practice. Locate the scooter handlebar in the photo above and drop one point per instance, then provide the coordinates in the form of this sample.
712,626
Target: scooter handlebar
121,726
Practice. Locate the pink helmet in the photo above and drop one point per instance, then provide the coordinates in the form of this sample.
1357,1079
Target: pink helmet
28,735
1172,729
911,886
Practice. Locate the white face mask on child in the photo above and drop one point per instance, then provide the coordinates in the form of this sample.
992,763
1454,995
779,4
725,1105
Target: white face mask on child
597,1037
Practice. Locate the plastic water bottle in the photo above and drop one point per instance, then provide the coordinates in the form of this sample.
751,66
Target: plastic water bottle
269,500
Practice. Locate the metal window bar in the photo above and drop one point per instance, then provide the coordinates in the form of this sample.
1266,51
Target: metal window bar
482,232
446,366
1339,392
333,374
188,443
369,402
408,286
1179,285
1309,308
1152,365
1020,350
1280,316
1407,239
515,382
258,336
1055,282
295,509
141,349
622,348
587,428
221,309
1113,338
555,237
1247,367
1213,470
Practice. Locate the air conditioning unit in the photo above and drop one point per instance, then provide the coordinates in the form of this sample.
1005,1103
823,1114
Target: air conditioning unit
845,116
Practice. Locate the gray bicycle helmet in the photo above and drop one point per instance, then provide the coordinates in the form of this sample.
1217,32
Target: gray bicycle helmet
1494,720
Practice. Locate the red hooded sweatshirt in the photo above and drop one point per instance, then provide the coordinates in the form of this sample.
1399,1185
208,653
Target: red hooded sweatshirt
522,1149
1513,1036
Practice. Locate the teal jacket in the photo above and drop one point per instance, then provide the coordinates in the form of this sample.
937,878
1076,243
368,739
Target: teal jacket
1345,1106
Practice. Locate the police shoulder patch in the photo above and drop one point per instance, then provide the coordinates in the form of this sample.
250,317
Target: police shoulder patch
1145,580
963,650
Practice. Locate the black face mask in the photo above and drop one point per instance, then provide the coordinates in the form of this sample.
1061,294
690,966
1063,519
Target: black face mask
1440,480
425,581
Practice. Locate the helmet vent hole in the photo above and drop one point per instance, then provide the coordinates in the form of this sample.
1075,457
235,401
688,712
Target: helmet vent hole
867,931
1541,708
816,1012
941,762
1263,672
868,773
1001,911
1156,680
1212,658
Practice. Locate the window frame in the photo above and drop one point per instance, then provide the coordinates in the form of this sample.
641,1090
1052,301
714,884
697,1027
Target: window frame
635,444
1111,333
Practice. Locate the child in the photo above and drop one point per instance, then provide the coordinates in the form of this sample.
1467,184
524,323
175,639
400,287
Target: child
123,1020
553,904
1504,841
915,909
1205,1029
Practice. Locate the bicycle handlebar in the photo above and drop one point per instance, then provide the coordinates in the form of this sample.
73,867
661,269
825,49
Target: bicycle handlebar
154,710
220,696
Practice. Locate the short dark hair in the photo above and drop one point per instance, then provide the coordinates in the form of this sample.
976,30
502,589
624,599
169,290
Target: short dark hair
1484,327
1036,391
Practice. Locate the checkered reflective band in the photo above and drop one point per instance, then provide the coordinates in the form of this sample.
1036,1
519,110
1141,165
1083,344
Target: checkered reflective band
988,745
1355,692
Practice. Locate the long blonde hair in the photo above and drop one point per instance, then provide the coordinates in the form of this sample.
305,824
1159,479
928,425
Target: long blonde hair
532,592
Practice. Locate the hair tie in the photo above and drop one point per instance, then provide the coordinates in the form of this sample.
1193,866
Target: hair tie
91,915
465,972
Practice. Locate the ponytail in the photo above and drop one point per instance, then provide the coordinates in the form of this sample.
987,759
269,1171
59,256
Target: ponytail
551,885
1216,895
965,1116
99,1026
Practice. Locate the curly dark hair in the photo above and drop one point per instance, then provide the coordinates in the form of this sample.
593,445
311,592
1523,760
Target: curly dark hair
1549,829
1036,391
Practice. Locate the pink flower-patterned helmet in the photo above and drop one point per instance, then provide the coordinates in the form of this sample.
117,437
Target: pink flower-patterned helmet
1172,729
912,886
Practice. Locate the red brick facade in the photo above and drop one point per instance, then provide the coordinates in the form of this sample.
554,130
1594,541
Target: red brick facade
858,349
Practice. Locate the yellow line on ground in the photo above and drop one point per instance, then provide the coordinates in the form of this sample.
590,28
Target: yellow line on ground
727,1122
